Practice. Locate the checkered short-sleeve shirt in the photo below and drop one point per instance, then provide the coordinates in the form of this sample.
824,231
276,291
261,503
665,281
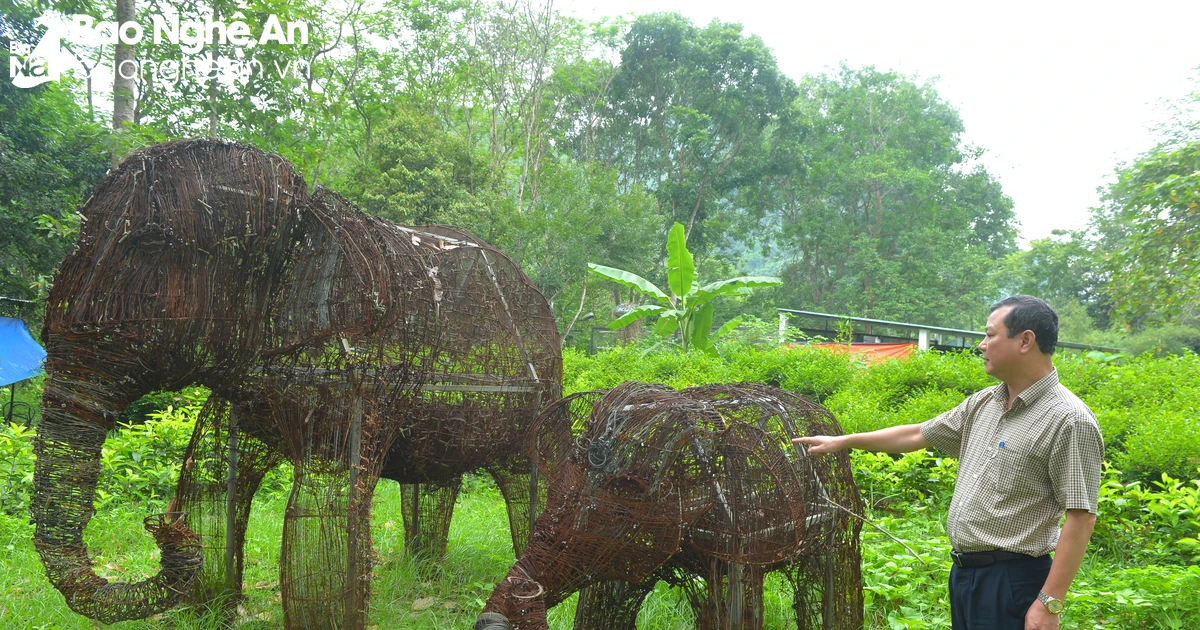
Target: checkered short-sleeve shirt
1018,470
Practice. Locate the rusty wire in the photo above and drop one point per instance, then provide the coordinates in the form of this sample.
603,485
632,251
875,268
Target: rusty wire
351,347
702,488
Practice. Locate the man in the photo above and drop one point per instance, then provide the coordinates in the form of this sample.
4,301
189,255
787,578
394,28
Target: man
1028,450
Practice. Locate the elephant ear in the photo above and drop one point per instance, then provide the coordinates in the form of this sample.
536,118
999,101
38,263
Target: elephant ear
767,525
554,435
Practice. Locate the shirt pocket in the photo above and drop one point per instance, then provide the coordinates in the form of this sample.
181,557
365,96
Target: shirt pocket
1016,474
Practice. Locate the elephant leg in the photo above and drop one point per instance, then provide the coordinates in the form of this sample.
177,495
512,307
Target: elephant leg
524,497
222,470
325,565
827,585
610,605
730,597
427,509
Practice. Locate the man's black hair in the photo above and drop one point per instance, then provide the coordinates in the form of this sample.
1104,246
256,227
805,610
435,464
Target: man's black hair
1031,313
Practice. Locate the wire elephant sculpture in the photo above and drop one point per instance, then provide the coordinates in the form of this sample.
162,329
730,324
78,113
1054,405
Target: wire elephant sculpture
353,348
701,488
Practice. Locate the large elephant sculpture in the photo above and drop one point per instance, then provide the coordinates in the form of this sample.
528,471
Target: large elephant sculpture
351,347
701,488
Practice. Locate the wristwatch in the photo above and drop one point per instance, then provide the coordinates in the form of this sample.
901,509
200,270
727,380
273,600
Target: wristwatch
1054,606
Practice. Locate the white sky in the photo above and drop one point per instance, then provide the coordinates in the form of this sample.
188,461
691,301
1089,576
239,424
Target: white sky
1058,93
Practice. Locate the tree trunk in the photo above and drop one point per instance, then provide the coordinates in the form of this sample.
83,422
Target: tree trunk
122,87
212,80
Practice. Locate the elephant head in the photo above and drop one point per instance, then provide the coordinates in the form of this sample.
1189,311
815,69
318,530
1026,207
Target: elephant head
180,250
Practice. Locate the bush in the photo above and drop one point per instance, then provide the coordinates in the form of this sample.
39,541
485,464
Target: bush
1159,520
144,408
865,411
16,467
1168,443
1148,408
1168,340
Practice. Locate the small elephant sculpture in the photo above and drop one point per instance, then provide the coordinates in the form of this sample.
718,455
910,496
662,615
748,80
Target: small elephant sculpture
354,348
701,488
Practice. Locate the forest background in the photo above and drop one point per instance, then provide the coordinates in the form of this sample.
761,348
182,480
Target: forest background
565,142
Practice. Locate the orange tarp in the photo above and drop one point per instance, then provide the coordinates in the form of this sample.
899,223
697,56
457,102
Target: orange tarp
872,352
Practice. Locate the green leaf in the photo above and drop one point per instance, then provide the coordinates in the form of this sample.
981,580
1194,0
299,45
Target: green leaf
726,328
632,316
681,270
666,325
701,326
732,285
631,280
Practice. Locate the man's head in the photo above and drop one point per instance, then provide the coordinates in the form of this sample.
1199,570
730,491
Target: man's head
1021,332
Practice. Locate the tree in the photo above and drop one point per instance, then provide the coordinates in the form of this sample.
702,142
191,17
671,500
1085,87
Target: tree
1062,270
51,156
1156,204
880,211
688,109
418,173
581,214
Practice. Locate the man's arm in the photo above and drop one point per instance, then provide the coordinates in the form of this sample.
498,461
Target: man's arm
1072,543
901,439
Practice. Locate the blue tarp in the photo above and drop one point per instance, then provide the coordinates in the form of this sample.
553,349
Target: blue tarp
20,356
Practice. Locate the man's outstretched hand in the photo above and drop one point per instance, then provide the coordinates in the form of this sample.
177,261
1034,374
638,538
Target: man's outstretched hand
822,444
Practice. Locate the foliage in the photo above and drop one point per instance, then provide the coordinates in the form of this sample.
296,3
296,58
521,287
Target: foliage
149,406
1156,274
1169,339
51,155
1067,271
689,307
688,113
581,213
419,174
1159,519
1146,406
879,209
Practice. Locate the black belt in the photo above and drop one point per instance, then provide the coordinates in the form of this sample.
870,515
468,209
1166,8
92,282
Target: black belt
976,559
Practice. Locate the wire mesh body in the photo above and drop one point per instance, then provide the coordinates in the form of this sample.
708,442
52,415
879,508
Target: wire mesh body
349,346
702,488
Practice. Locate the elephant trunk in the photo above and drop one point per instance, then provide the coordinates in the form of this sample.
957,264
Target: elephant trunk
75,419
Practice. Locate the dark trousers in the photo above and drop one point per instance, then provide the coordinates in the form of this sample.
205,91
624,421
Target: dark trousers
996,597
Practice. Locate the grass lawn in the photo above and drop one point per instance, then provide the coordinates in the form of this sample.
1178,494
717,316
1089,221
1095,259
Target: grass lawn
901,592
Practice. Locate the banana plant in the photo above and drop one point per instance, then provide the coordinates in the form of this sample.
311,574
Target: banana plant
688,307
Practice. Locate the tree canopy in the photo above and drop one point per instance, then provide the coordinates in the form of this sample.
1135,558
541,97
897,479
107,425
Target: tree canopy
565,141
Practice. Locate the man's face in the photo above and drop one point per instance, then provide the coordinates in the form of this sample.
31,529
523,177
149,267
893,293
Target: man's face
1000,352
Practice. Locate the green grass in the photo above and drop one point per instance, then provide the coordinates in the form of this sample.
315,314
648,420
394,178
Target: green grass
901,592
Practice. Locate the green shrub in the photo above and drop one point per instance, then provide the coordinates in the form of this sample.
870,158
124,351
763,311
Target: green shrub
144,408
866,411
923,371
16,467
141,462
816,372
918,479
1167,443
1168,340
1155,521
1148,408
